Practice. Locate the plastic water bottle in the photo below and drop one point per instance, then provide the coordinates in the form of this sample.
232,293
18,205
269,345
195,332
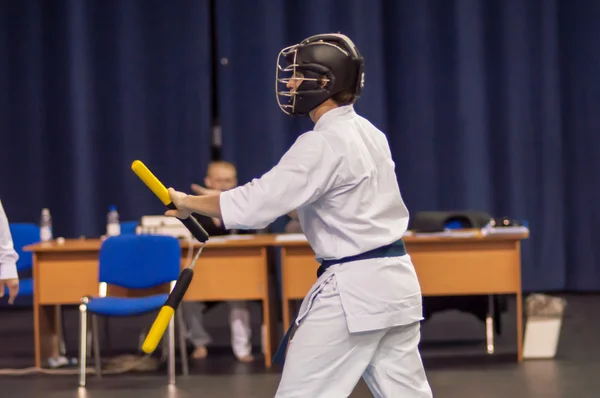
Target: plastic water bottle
46,226
113,226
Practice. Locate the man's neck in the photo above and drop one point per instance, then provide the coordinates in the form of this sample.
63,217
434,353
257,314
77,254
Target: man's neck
322,109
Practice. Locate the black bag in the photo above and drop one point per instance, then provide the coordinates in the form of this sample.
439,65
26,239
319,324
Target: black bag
438,221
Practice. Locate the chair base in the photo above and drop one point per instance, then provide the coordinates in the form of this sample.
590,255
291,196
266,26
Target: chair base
83,344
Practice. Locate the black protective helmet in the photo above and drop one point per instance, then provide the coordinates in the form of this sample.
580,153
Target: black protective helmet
327,58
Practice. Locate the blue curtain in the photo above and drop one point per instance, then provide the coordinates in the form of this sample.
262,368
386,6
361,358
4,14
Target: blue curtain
579,165
90,86
489,105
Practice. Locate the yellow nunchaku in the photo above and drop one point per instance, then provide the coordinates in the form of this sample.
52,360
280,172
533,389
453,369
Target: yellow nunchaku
185,277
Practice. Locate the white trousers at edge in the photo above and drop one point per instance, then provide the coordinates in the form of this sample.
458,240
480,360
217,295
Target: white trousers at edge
325,360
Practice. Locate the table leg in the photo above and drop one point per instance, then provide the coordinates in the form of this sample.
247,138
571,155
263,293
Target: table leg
489,325
269,329
45,333
286,313
519,303
519,326
287,302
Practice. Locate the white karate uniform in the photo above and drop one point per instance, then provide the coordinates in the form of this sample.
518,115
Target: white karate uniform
8,255
360,319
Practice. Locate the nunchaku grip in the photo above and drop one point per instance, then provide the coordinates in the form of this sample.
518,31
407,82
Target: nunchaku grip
161,323
183,282
192,225
162,193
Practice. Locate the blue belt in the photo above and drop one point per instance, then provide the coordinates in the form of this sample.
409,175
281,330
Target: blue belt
395,249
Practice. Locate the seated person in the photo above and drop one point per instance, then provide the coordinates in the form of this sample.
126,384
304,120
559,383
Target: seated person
293,225
9,278
220,176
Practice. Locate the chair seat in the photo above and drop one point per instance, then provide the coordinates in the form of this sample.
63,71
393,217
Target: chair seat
25,288
126,306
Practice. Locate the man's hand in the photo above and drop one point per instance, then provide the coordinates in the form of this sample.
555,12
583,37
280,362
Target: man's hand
179,200
13,289
206,205
200,190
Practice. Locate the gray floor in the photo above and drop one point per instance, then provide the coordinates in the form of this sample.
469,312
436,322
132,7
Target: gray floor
453,352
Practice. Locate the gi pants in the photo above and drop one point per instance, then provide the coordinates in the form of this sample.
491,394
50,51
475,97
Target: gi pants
325,360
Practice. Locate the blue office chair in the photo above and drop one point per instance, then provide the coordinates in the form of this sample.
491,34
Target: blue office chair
133,262
128,227
24,234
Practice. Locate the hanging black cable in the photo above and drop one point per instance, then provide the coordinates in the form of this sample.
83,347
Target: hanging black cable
216,123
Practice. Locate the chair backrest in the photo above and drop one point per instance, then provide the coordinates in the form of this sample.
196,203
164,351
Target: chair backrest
128,227
24,234
139,261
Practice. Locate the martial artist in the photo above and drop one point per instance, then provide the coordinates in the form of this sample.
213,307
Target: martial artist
362,316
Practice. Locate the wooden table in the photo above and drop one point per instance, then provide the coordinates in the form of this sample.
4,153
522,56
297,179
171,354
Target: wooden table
227,270
446,266
239,270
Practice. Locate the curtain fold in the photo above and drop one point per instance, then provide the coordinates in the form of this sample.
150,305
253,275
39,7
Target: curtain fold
88,88
488,105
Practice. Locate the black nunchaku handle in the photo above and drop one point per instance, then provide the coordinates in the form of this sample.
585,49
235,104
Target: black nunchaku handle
192,225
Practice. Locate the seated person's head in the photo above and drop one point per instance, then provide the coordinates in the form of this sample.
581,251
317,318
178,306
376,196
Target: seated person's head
221,176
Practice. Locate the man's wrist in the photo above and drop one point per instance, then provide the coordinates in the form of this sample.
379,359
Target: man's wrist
185,203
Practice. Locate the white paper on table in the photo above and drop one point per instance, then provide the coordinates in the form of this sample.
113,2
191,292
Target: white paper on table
240,237
505,230
291,238
449,233
229,238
